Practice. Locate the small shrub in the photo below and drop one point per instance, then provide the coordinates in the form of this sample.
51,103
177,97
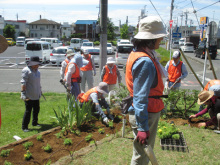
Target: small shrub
96,43
39,138
28,155
68,141
5,153
47,148
166,130
27,145
88,137
101,130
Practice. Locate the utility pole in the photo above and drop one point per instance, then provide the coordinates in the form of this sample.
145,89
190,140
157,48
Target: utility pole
103,33
181,30
171,14
186,13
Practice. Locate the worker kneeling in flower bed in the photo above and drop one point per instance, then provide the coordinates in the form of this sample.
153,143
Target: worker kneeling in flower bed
96,94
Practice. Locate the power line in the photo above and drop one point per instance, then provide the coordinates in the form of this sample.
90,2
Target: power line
157,13
195,12
207,6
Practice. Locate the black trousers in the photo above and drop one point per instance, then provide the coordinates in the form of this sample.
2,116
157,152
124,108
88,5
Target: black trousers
29,105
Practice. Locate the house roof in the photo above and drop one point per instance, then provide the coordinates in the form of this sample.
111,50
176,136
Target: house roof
43,22
85,22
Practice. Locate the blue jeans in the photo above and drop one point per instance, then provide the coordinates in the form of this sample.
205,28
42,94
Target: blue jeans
74,89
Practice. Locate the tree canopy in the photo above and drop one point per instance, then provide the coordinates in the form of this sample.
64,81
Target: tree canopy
9,31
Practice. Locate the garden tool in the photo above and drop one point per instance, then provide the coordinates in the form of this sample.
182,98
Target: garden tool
43,96
150,153
62,82
172,85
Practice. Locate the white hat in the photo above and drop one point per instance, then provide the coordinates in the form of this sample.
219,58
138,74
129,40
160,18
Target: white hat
110,60
176,54
102,88
69,53
151,27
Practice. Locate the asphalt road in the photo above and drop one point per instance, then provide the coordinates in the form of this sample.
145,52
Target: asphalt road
10,73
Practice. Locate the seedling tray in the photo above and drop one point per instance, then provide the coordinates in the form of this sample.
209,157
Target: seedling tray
174,145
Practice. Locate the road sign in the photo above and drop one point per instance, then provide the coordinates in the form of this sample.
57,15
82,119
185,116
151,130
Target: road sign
203,25
171,23
177,35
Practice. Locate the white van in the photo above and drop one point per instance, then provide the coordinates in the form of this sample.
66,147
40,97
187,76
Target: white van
41,49
76,43
53,41
20,41
29,39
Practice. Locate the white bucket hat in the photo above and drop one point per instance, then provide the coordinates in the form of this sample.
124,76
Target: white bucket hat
69,53
110,60
151,27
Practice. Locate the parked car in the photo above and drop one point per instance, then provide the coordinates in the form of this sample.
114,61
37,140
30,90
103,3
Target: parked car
87,45
76,43
122,53
187,47
85,40
175,45
29,39
20,41
200,51
41,49
53,41
10,41
123,41
182,41
59,54
109,48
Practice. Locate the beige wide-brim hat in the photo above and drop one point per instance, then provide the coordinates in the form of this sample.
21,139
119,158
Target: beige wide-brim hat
204,96
102,88
3,44
110,60
69,53
151,27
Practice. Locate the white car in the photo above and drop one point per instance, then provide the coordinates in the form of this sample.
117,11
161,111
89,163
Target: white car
122,53
87,45
175,45
187,47
124,41
58,54
109,48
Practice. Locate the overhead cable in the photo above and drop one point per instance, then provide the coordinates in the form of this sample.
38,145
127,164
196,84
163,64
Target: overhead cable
195,12
207,6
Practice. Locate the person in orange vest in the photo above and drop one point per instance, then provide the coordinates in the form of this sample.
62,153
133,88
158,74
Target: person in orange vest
211,83
176,71
87,74
72,74
96,94
144,81
110,74
69,56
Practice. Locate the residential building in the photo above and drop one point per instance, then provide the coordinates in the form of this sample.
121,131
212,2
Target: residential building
67,29
44,28
20,26
86,28
1,25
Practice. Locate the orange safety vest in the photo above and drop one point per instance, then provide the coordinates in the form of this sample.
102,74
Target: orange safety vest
154,105
110,78
211,83
75,75
88,66
85,97
174,72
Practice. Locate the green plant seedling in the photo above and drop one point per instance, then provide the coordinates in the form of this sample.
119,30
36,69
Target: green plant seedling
111,124
68,141
166,130
39,137
7,163
176,136
88,137
27,145
47,148
101,130
5,153
48,163
28,155
58,135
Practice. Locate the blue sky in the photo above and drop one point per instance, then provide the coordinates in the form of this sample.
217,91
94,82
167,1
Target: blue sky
73,10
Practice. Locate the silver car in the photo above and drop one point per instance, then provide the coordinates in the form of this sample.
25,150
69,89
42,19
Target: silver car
187,47
122,53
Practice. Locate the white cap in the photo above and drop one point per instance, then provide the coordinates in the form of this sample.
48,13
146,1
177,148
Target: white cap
110,60
176,54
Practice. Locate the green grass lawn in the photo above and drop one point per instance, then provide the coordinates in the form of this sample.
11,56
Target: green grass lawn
12,111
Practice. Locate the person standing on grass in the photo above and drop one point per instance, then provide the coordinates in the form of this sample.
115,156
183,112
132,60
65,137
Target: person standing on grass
212,100
144,81
87,75
110,74
31,92
69,56
176,71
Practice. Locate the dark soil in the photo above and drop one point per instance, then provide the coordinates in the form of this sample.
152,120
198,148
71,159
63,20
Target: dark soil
58,148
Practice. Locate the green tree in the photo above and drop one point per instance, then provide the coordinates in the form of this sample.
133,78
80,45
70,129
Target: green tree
124,31
9,31
76,35
110,30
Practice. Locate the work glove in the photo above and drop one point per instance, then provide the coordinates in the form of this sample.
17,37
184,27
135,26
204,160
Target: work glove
62,81
105,120
23,95
94,73
142,136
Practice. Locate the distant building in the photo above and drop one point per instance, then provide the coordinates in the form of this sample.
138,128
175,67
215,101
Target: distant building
1,25
86,28
44,28
67,29
20,26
